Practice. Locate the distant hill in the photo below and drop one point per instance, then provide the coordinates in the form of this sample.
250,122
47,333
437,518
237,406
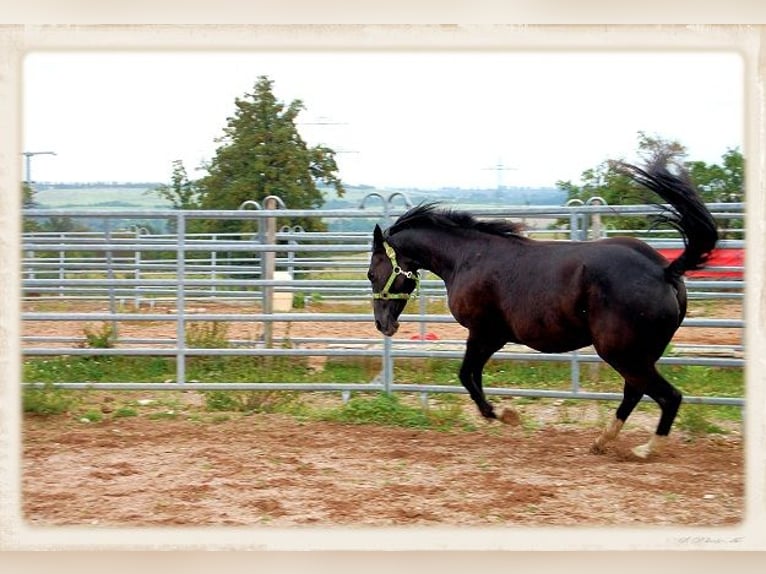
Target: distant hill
99,195
127,196
137,196
458,196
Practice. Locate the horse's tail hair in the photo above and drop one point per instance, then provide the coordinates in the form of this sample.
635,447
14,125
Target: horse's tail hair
687,213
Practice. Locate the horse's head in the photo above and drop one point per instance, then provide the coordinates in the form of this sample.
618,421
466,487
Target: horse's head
393,279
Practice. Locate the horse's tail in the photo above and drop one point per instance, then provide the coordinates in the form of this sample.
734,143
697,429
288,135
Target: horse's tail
687,213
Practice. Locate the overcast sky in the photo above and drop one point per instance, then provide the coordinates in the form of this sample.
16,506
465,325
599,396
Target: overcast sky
398,119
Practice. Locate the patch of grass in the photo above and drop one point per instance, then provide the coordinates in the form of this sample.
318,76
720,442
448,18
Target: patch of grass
124,412
446,410
47,400
103,338
164,415
207,335
384,409
695,420
704,381
91,416
287,402
68,369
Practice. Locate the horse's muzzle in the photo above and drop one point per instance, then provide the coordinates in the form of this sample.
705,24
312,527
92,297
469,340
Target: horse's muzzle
389,329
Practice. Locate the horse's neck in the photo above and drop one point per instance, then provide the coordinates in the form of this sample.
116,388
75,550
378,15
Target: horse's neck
436,251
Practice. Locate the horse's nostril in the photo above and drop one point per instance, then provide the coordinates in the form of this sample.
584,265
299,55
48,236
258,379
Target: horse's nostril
377,325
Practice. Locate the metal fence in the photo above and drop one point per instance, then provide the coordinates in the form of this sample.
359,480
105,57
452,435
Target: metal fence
277,275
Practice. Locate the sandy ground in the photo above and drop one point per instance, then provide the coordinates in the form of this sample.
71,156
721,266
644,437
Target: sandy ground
274,470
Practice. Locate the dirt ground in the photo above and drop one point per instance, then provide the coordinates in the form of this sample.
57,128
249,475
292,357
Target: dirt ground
274,470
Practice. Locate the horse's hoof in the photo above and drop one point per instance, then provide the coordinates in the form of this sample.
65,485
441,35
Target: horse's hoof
510,417
654,446
642,451
597,448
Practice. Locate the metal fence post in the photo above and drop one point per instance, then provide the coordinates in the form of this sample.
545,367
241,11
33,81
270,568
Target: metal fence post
596,229
110,275
137,262
213,264
268,270
181,298
388,365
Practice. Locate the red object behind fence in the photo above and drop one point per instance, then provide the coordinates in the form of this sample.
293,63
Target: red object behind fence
719,258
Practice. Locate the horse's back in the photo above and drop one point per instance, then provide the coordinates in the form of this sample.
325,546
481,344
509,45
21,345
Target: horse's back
558,296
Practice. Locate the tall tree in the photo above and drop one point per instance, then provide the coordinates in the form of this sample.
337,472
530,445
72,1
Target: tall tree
263,154
717,183
181,193
28,201
724,183
27,195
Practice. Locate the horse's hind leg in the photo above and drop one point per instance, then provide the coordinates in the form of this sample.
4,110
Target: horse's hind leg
630,398
669,399
637,383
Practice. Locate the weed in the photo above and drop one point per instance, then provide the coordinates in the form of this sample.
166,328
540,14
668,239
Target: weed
221,401
207,335
254,401
104,338
164,415
388,410
91,417
124,412
316,298
693,419
47,400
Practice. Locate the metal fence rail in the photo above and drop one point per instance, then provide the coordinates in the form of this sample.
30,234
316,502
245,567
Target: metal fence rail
131,270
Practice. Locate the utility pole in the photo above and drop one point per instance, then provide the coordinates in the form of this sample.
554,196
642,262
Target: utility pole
28,155
499,168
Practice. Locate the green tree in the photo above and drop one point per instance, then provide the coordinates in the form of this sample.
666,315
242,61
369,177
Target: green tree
27,202
717,183
723,183
181,193
27,196
262,154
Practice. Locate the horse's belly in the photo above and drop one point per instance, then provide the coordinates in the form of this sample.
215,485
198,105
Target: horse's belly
559,346
554,338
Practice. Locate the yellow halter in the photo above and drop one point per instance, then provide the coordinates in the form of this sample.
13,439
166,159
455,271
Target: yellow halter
396,270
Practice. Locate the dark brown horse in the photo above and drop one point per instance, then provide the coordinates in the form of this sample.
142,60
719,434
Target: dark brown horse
617,294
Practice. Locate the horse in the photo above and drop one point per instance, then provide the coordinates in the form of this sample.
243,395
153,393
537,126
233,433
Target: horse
618,294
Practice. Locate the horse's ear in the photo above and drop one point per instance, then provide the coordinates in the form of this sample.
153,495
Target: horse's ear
377,237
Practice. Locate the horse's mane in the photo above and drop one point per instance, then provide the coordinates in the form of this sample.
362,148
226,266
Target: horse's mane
432,215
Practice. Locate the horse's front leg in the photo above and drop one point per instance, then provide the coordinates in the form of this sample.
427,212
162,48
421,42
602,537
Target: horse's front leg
477,353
